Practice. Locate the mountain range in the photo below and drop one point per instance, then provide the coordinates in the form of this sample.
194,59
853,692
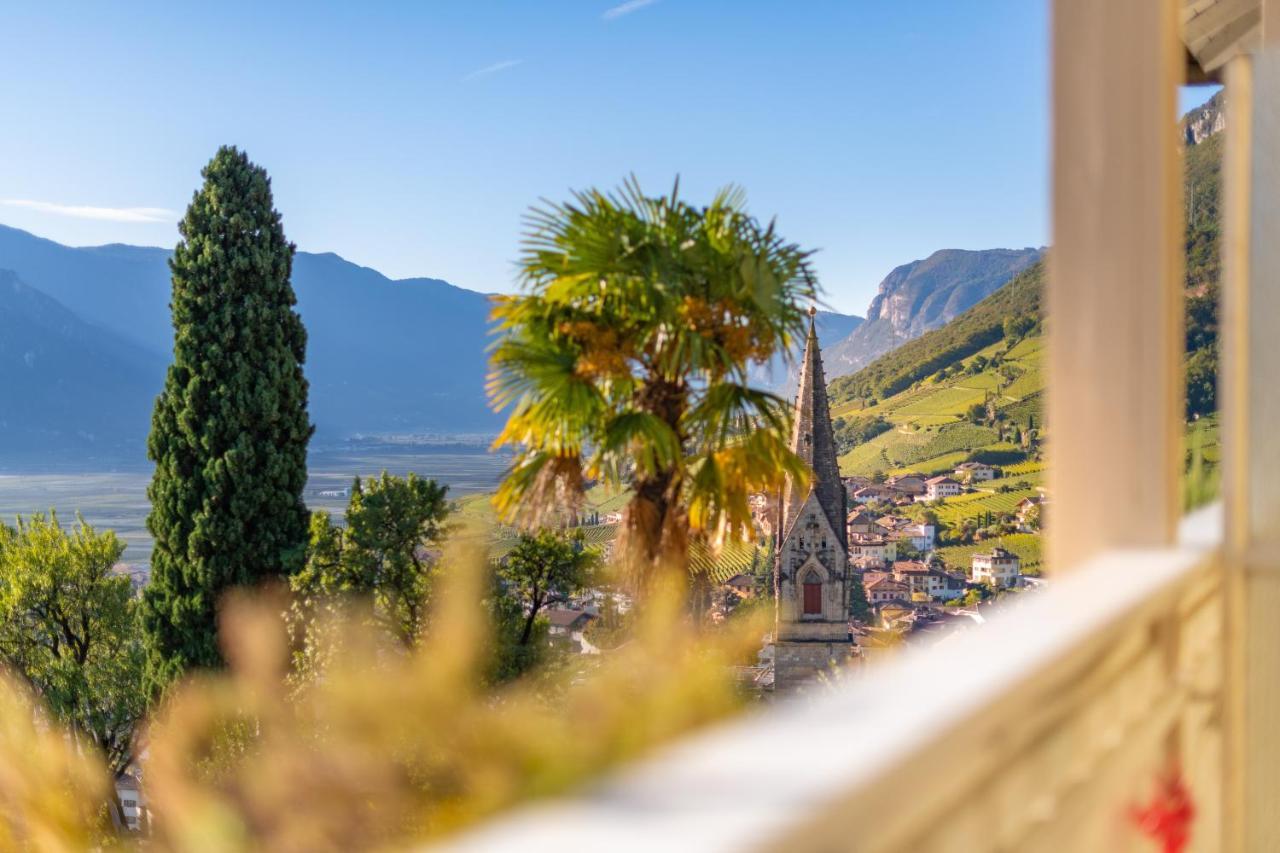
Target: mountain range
943,359
924,295
85,338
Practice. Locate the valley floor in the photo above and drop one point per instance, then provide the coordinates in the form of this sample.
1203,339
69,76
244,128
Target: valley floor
117,500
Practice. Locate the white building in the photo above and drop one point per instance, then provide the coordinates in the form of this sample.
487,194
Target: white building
977,472
922,537
936,488
934,582
875,492
1000,568
132,802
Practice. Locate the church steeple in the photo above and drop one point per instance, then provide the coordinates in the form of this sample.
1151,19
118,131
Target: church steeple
811,568
813,439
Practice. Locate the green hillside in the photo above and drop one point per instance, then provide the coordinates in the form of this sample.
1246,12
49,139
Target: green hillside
974,389
911,406
981,326
977,407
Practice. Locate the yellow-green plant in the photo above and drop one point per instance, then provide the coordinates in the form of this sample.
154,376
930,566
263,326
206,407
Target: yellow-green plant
393,746
626,357
51,791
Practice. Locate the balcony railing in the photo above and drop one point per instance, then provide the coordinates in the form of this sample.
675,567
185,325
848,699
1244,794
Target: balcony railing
1053,720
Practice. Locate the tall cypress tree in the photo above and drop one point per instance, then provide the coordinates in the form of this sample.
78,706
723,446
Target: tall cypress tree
229,431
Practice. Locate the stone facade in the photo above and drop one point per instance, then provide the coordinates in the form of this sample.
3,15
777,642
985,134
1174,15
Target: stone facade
811,575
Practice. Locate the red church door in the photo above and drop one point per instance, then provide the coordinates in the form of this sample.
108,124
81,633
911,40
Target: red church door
812,598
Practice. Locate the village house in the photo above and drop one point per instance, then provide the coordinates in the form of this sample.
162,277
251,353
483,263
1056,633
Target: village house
922,537
937,488
929,579
897,616
884,589
1000,568
568,623
863,523
742,584
853,483
908,484
1024,510
864,564
976,472
892,523
133,803
875,492
872,545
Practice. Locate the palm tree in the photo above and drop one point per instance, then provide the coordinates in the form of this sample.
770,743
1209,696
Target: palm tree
625,359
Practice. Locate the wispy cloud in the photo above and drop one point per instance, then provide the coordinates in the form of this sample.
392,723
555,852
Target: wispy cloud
495,68
81,211
626,8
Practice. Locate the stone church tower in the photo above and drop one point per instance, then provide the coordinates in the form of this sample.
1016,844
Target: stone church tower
811,573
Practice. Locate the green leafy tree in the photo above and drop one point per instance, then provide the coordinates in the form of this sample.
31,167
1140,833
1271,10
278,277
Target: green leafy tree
230,429
851,432
859,607
382,552
921,514
761,570
1202,382
510,658
546,565
69,626
626,356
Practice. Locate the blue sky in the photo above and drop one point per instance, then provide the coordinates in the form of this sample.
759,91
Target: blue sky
410,137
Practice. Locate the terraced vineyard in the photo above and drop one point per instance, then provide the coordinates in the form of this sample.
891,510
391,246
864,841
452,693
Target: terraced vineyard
943,464
1031,478
1028,547
932,433
906,447
955,401
974,504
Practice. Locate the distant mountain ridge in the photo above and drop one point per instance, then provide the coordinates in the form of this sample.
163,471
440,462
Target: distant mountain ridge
1204,121
1017,308
383,356
67,385
924,295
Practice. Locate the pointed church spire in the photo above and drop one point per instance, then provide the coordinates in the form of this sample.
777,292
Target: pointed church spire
813,440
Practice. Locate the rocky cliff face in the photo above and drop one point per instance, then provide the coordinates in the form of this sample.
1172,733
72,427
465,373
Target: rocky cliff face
924,295
1204,121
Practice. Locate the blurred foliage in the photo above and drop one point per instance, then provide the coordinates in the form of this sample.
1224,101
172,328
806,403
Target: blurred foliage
51,793
393,745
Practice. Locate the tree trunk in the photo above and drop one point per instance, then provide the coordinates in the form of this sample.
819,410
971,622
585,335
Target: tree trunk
535,604
656,533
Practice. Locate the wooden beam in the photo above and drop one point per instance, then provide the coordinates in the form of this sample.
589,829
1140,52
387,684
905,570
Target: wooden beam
1115,279
1251,453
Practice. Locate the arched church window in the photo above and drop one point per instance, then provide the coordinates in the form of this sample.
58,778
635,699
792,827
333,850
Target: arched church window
812,594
